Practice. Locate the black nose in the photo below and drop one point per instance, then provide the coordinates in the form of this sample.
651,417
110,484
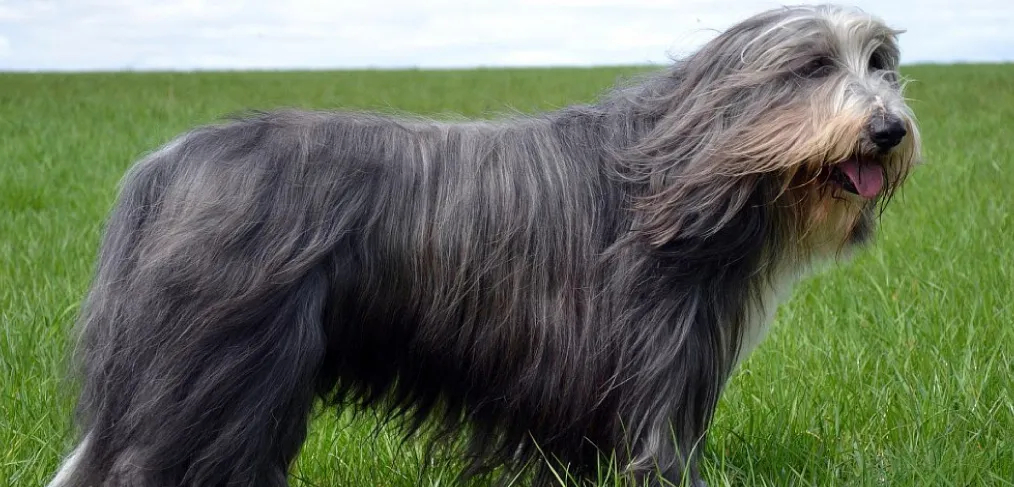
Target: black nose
887,131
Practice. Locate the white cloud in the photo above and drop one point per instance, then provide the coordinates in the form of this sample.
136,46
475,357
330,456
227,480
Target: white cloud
236,34
8,14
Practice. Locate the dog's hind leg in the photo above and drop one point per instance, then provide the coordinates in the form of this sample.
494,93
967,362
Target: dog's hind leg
200,359
65,476
225,406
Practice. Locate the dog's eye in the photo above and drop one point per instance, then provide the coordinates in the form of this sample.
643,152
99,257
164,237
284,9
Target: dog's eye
818,68
877,62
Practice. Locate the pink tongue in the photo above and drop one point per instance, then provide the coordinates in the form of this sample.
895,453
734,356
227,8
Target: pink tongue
867,178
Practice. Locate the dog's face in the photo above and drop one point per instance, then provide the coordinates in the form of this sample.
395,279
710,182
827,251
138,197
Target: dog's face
868,141
828,119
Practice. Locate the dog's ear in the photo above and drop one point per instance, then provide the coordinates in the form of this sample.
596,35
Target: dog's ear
692,183
686,207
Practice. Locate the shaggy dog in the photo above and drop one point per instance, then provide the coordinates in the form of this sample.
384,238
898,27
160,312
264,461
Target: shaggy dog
553,287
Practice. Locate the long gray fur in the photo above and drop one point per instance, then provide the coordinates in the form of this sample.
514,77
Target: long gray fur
558,283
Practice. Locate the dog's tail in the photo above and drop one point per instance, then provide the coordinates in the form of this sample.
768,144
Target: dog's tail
201,334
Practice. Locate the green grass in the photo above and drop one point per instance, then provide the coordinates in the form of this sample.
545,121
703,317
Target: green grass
893,370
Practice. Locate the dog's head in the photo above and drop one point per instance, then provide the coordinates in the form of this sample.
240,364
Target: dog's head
837,131
808,98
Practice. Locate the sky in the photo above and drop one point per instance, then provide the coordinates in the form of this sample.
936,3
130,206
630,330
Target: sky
88,35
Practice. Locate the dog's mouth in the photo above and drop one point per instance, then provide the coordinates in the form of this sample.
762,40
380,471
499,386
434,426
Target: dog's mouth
859,176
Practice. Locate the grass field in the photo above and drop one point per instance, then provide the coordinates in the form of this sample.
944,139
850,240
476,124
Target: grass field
893,370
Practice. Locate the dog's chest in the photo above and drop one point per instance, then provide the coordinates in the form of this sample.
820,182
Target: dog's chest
761,310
